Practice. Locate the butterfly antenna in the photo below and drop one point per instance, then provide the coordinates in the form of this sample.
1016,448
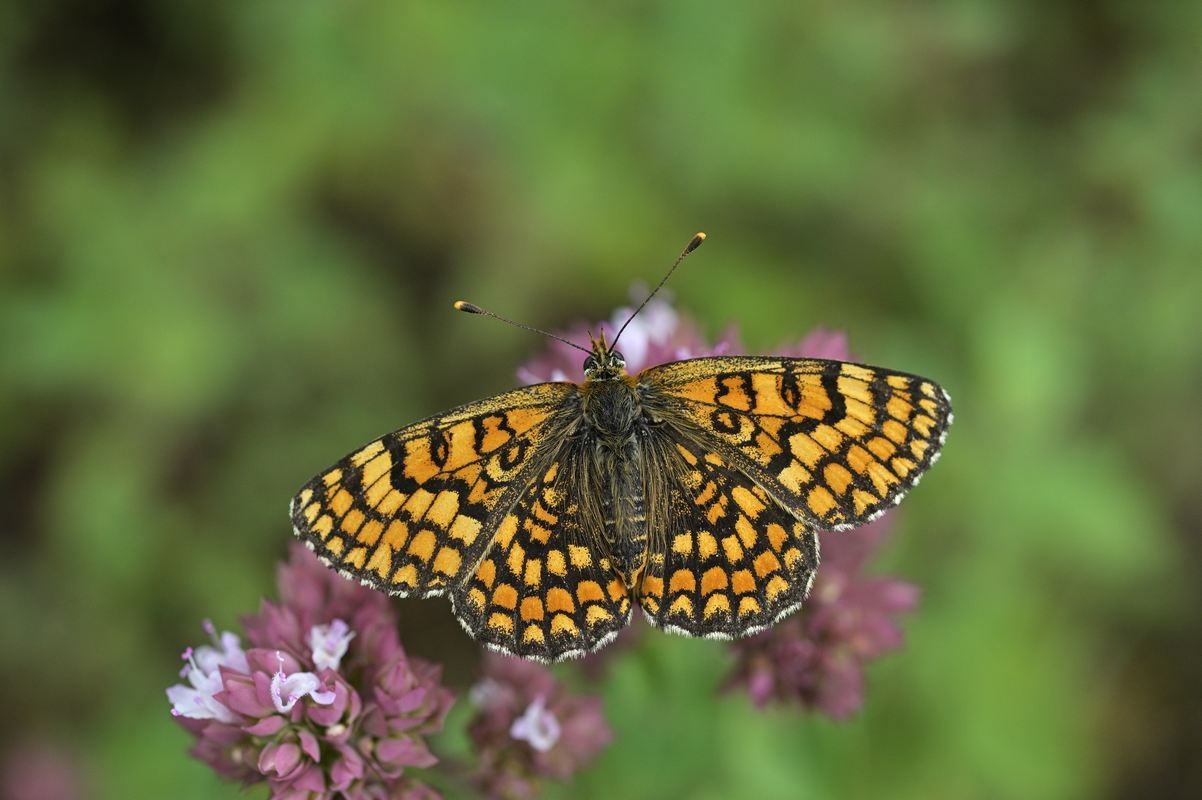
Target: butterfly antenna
693,244
472,308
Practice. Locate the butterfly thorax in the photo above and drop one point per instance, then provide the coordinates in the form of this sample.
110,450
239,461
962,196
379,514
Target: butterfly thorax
614,423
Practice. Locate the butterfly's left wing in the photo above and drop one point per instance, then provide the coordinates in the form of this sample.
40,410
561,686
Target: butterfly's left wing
835,442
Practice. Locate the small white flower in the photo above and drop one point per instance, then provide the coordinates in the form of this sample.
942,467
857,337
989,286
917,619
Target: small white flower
202,668
538,726
286,690
329,643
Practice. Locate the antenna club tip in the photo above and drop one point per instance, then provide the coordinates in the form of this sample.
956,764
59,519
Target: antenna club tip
695,242
466,307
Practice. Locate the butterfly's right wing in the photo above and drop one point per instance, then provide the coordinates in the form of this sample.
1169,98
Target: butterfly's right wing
412,512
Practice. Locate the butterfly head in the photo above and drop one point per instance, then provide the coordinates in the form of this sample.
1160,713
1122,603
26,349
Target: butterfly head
603,362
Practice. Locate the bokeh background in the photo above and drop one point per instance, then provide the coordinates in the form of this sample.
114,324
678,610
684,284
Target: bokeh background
230,235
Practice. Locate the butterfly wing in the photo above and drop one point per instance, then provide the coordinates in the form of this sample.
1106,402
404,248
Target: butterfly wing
411,513
835,442
725,558
545,588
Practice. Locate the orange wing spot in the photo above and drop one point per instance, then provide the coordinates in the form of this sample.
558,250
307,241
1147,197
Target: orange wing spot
857,371
367,453
777,535
749,606
702,391
653,586
805,449
732,549
447,562
852,428
418,503
776,585
927,388
751,505
501,622
882,478
549,475
894,430
919,448
476,598
555,563
707,545
898,381
311,512
369,534
615,588
793,477
418,464
859,459
902,466
506,531
651,604
852,387
745,531
406,575
682,544
596,614
558,599
538,533
742,582
534,573
766,447
534,634
465,529
532,609
766,562
579,556
563,624
462,445
683,580
766,388
444,508
423,544
828,437
341,502
882,448
324,525
391,502
516,558
791,557
376,492
589,592
860,411
734,396
718,604
837,477
335,545
929,406
523,419
717,510
486,573
376,468
352,521
687,455
863,500
704,497
332,477
681,605
820,501
898,408
381,561
356,557
396,534
505,596
305,496
923,424
494,435
713,580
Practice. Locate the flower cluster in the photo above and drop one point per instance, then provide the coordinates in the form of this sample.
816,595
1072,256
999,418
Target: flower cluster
529,726
816,657
324,701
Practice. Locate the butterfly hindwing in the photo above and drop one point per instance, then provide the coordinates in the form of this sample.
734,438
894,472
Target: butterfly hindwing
731,560
837,442
412,512
545,588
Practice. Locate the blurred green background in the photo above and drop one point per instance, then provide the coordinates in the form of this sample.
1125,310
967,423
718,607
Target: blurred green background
230,235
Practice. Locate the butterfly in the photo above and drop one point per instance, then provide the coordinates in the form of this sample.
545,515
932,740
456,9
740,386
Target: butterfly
694,490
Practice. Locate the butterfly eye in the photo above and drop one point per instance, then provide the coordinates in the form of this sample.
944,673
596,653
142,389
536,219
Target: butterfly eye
590,363
618,358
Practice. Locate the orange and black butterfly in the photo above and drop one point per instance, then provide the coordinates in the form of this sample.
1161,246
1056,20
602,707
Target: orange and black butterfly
693,489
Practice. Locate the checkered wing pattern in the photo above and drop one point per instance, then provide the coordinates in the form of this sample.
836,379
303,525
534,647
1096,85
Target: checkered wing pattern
412,513
545,589
731,560
837,443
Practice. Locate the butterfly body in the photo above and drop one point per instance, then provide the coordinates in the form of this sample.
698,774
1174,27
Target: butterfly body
693,489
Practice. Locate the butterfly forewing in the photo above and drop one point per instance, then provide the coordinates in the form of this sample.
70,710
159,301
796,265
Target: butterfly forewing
731,560
412,512
837,443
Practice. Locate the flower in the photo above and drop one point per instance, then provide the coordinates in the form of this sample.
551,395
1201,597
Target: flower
817,657
529,727
317,706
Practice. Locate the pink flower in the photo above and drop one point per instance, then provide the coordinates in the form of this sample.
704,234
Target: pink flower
530,727
317,706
